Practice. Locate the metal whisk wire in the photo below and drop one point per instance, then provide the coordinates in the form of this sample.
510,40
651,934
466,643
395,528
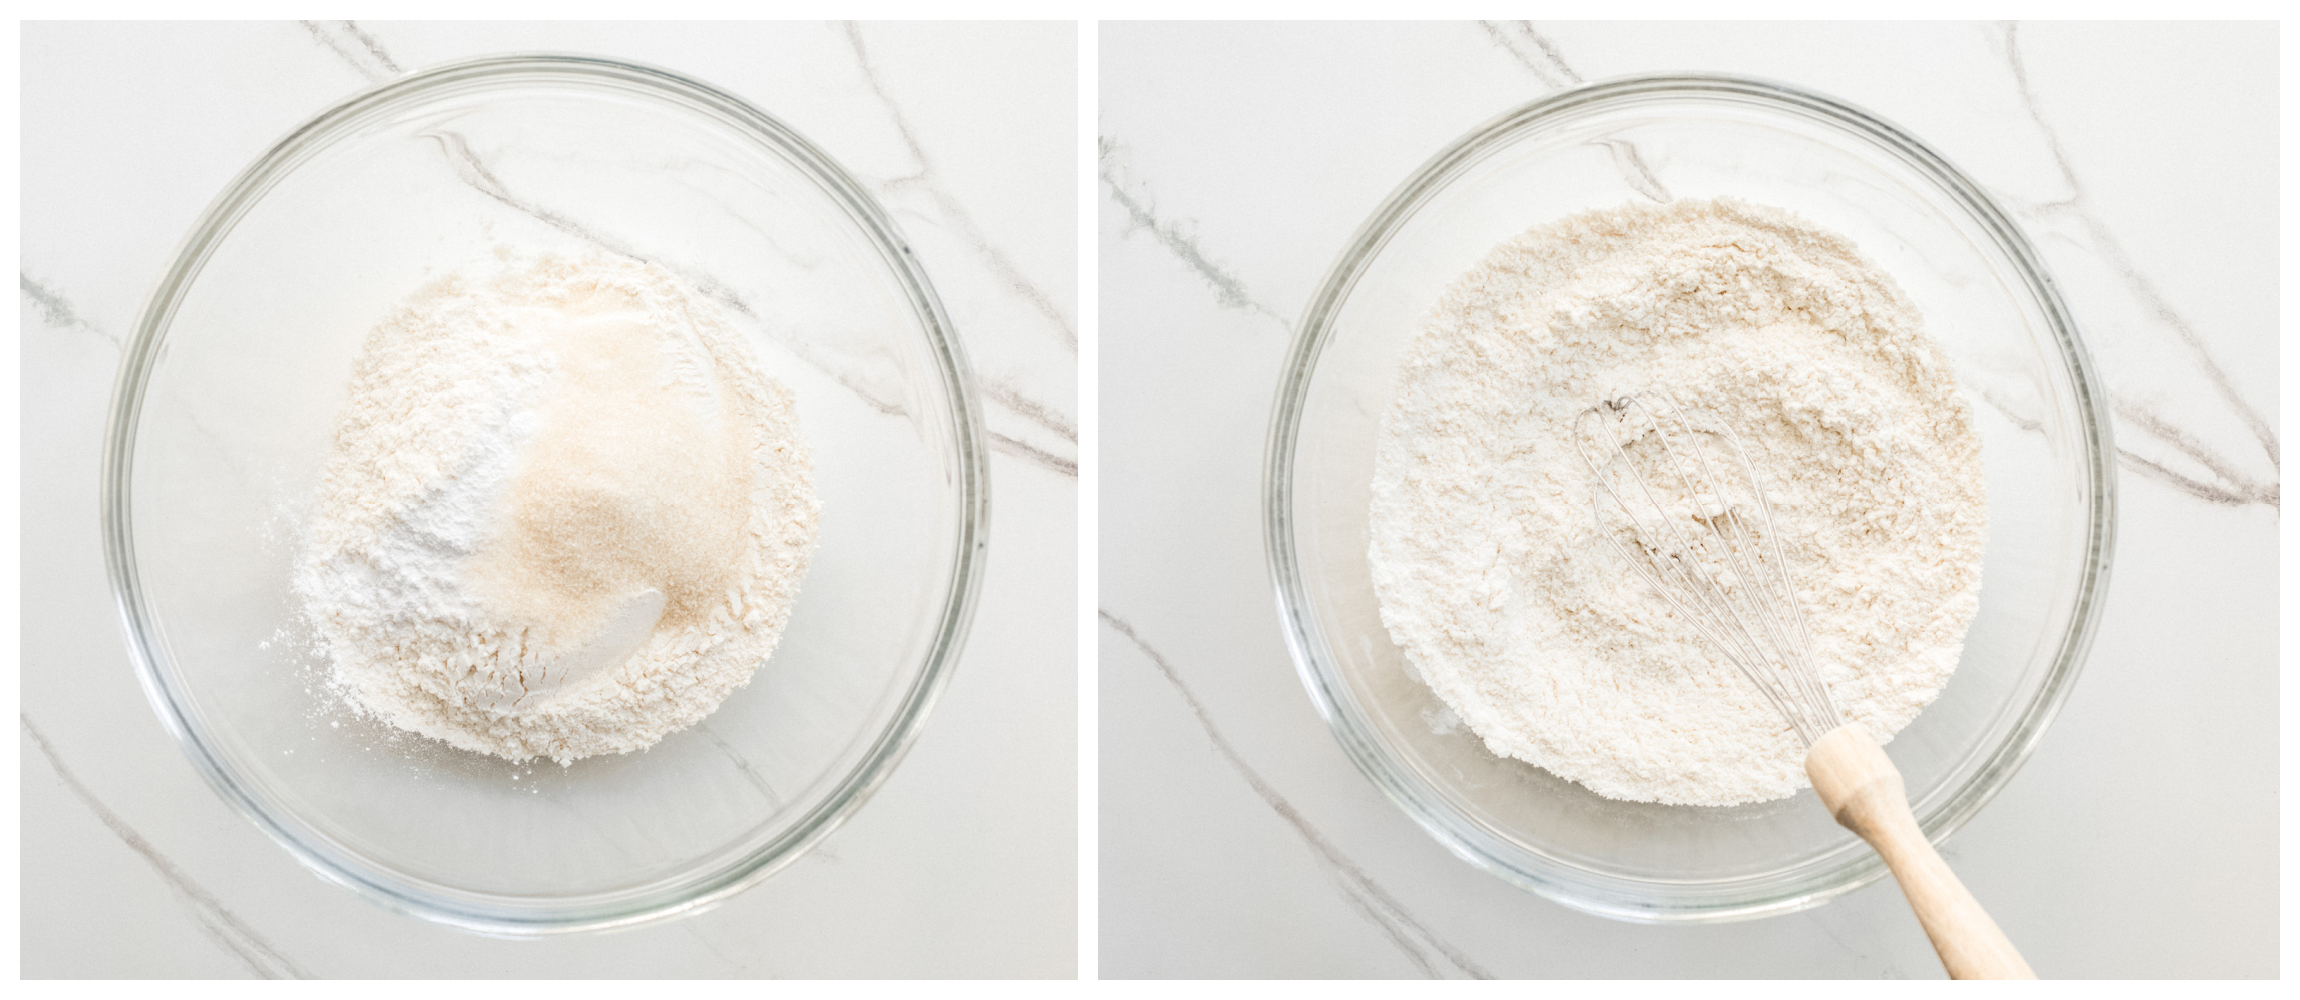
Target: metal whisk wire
1727,578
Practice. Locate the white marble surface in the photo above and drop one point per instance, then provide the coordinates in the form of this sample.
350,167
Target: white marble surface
1236,839
964,864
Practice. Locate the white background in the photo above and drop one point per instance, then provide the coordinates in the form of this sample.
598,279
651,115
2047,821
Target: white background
1236,159
965,862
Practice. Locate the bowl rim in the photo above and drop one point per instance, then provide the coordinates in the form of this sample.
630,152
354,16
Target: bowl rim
681,894
1580,889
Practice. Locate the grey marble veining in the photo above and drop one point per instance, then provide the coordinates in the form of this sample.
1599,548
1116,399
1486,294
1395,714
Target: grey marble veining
1142,214
2224,483
1539,55
215,920
1219,214
920,192
136,868
1431,955
367,56
58,313
1233,161
358,49
926,178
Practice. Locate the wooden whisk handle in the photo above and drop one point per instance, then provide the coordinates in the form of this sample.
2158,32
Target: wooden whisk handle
1863,790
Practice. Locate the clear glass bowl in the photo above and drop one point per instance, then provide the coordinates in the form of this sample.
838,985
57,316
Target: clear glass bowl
1986,297
228,396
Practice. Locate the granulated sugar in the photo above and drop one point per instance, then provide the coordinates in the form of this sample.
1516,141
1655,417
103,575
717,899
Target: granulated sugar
1485,552
565,513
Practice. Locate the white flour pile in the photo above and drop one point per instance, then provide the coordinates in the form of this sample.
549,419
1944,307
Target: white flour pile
1524,620
565,513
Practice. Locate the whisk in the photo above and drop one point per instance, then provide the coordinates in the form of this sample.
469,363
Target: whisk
1683,505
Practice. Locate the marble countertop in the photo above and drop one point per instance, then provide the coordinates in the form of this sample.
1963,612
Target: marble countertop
1236,159
965,861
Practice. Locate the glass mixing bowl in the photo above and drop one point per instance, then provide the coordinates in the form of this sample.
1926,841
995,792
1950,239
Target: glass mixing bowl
228,397
2040,412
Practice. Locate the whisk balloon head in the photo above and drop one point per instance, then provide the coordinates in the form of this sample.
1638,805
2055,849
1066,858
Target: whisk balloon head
1682,504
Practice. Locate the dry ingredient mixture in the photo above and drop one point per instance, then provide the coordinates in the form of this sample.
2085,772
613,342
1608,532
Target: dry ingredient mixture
565,513
1486,557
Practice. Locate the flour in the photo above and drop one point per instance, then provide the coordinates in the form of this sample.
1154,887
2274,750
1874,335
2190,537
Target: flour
564,515
1485,552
